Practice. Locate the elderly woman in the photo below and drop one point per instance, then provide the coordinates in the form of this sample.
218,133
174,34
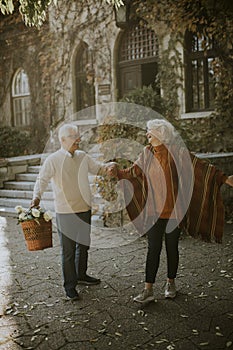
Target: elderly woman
166,198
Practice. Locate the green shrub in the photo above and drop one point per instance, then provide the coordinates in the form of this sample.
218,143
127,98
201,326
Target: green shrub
13,142
146,96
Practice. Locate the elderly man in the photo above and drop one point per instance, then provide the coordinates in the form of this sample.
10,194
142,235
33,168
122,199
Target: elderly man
68,170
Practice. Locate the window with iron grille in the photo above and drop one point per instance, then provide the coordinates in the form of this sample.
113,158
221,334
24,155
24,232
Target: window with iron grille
85,90
138,59
139,43
21,99
199,75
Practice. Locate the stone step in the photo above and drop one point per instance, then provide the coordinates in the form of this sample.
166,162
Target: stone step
31,177
26,186
26,177
11,198
23,194
7,211
22,185
24,199
13,202
29,186
34,169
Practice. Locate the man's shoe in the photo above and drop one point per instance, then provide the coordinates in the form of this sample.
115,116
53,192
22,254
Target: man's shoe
170,290
145,297
88,280
72,295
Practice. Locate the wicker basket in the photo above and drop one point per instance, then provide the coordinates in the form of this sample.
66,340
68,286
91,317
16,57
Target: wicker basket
38,236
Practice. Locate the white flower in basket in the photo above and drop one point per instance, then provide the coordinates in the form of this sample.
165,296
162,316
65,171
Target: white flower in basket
32,214
35,213
48,215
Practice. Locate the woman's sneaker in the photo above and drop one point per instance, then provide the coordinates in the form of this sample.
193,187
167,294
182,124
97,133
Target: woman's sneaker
146,296
170,290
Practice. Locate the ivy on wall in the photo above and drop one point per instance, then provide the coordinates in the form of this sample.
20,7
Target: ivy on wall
211,19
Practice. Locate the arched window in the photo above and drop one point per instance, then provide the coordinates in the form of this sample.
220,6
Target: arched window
138,59
199,77
84,78
21,99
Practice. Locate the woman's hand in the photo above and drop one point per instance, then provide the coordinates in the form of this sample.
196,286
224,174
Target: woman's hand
229,181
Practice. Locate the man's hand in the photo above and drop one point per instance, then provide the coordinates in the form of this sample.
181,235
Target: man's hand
35,202
112,170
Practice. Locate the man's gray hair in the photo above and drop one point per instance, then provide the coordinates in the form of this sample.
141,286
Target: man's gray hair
162,129
65,129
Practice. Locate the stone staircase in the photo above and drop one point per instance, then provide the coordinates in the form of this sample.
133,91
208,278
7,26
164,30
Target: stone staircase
20,192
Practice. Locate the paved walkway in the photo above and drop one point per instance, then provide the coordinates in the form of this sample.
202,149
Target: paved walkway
35,315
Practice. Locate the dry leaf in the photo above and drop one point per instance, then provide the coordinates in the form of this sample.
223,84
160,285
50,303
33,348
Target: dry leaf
102,330
170,347
94,340
37,330
161,341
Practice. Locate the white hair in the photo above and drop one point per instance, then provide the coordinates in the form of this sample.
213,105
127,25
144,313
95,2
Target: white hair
65,129
164,130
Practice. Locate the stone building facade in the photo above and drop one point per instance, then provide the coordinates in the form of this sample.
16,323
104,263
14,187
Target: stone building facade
80,58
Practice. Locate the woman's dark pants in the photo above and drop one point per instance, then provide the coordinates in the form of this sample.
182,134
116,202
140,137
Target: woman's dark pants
155,241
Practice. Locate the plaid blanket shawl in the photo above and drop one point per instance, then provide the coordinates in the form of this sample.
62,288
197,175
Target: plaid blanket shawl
204,217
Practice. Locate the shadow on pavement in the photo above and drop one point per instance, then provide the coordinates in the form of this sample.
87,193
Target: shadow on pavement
35,314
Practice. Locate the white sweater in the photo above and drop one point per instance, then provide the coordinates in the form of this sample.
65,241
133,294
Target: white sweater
69,178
